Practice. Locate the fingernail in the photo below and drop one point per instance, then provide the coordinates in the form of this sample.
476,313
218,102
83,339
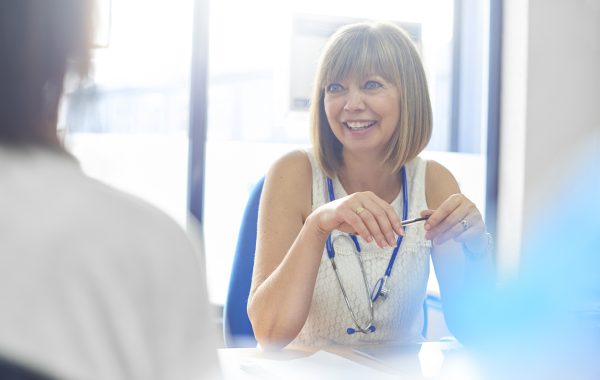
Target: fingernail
427,227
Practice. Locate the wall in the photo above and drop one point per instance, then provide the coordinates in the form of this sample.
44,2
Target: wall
550,107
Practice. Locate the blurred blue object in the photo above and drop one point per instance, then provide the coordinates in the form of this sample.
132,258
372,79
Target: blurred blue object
546,324
433,303
237,330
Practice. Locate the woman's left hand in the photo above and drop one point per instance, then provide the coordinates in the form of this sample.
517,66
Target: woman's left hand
457,218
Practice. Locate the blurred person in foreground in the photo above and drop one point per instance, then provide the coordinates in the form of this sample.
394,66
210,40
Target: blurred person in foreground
546,323
94,284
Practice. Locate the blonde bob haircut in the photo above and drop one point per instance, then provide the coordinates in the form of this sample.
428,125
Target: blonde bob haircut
373,48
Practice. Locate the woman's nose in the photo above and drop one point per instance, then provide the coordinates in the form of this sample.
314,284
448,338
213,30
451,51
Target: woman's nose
354,101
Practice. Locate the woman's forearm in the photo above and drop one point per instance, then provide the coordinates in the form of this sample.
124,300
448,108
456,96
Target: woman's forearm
279,306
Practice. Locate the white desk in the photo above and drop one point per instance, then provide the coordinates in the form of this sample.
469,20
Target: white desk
331,363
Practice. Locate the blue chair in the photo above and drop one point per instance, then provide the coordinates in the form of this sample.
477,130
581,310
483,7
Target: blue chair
432,303
237,330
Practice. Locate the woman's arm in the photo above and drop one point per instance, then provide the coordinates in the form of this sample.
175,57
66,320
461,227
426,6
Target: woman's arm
290,244
460,251
288,253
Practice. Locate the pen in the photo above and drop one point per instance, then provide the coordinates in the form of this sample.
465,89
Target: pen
415,220
407,222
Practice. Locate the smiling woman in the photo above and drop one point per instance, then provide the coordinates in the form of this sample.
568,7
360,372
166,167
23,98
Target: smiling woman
260,82
378,77
348,195
357,105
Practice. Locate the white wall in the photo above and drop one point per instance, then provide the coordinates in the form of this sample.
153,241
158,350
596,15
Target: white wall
550,107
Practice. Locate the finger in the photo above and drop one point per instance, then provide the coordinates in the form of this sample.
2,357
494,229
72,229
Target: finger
354,224
451,220
373,226
392,216
453,233
386,216
472,233
454,209
427,212
464,232
445,209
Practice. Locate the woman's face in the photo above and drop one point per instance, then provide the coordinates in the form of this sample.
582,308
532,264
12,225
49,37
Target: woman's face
362,112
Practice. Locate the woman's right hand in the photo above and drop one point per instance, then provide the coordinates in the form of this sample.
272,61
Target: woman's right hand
363,214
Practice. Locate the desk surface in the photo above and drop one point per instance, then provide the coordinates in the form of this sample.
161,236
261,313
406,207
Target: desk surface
332,362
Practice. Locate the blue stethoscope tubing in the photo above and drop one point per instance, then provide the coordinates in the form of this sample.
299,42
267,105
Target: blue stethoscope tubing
379,289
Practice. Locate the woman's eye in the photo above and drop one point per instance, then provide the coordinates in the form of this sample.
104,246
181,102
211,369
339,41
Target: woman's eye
372,85
334,87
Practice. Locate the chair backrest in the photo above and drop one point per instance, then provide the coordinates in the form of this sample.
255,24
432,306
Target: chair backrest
237,330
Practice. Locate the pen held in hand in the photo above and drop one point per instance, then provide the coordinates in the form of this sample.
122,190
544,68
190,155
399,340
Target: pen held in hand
415,220
406,222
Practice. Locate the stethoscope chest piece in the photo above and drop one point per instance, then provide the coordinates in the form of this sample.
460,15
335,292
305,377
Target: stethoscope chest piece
380,290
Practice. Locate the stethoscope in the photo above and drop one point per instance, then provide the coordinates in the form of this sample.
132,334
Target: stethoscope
379,290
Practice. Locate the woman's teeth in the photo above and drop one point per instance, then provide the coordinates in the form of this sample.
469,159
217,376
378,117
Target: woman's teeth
357,125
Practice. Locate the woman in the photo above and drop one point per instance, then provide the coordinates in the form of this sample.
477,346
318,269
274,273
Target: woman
371,117
94,284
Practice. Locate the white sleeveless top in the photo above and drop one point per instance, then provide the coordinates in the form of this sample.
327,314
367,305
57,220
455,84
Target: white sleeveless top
397,318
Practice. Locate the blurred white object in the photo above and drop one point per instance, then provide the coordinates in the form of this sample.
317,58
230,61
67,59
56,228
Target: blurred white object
94,283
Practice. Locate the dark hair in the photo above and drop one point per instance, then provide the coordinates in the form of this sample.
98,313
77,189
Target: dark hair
40,41
13,370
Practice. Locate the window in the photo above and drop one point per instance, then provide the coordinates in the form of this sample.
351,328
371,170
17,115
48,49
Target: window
261,65
128,126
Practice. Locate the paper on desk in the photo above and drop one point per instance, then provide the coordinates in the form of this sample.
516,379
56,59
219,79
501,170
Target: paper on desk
320,365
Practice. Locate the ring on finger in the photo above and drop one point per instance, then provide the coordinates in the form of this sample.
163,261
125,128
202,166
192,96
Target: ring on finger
358,210
465,224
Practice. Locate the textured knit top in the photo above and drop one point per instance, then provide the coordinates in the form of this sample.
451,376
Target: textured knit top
397,318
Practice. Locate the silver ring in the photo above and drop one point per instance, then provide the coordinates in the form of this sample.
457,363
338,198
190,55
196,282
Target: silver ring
465,224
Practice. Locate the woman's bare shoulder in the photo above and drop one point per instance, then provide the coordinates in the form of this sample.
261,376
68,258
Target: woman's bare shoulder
296,159
439,184
292,167
289,180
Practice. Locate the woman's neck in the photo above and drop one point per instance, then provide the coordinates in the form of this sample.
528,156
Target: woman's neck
369,174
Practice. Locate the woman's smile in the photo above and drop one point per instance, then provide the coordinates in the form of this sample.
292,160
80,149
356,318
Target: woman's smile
359,126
